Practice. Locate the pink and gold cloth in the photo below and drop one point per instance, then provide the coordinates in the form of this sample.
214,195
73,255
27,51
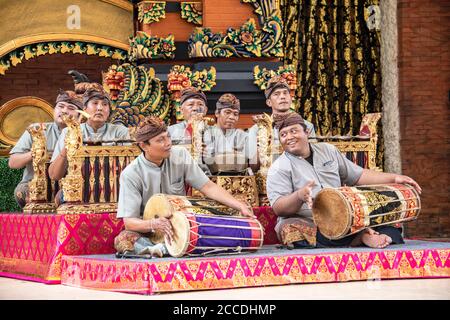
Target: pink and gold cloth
31,246
259,269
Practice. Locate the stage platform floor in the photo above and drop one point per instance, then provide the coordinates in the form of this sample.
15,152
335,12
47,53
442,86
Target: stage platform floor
266,267
405,289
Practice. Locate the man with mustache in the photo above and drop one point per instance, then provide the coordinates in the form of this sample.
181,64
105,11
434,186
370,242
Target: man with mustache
224,137
279,99
161,169
301,171
97,104
193,101
193,104
67,102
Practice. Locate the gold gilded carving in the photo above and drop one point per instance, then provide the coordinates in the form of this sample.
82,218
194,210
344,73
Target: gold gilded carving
39,207
72,183
38,185
102,179
112,178
264,141
365,142
261,183
79,208
243,188
199,125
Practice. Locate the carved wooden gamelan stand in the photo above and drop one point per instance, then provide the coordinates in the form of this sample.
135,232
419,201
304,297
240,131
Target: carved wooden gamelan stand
242,187
92,181
42,188
265,154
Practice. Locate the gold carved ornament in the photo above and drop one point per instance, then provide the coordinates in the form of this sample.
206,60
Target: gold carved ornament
72,182
38,185
365,142
118,158
264,141
199,124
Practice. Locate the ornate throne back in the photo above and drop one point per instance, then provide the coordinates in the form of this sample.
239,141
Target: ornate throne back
362,150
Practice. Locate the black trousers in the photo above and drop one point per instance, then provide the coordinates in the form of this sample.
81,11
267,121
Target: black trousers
323,242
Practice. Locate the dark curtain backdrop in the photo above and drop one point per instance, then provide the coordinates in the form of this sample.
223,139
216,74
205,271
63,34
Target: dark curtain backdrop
337,59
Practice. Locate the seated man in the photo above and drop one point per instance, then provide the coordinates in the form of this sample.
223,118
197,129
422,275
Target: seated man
66,102
193,101
223,138
278,98
161,169
302,170
97,104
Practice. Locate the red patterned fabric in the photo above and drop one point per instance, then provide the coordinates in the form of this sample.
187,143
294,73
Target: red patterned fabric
31,246
268,220
149,277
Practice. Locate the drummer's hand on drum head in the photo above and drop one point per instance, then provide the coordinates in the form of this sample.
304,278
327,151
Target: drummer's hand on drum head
408,180
305,193
163,225
246,211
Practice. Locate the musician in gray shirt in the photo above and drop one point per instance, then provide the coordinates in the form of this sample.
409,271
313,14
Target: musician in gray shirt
97,104
224,138
162,168
303,169
193,101
278,98
67,102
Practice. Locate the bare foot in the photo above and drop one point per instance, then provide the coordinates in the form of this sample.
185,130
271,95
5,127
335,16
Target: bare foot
373,239
156,252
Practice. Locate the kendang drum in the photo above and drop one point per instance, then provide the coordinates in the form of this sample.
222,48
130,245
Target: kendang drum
340,212
164,206
202,229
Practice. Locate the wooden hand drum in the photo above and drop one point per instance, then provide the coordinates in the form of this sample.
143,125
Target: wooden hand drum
340,212
164,206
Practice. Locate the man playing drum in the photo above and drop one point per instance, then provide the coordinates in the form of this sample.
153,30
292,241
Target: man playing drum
224,138
161,169
303,169
67,102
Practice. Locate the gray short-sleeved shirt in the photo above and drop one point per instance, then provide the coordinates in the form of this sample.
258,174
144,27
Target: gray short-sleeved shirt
52,133
290,173
108,131
252,140
178,133
141,179
218,142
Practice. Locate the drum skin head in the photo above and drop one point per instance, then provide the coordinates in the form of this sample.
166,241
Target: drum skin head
158,206
181,237
331,214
